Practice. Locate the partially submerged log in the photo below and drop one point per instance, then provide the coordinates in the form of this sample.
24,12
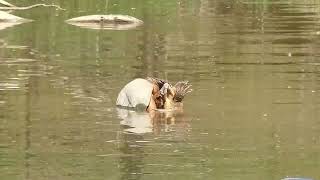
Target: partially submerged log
111,21
30,7
8,20
6,17
6,3
8,6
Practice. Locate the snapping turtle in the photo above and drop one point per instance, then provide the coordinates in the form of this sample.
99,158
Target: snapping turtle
152,93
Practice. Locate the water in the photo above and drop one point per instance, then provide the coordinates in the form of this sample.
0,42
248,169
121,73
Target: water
253,113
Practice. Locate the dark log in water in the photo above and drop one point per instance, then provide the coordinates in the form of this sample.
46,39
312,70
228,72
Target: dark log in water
111,21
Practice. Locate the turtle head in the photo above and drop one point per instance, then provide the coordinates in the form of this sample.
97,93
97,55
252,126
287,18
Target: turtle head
170,95
182,88
168,92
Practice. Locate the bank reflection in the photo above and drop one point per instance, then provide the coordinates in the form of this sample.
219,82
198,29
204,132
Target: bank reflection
131,164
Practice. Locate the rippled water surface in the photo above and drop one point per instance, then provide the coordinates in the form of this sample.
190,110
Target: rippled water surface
253,114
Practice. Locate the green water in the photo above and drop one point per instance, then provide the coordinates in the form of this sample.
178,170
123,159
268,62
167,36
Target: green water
253,114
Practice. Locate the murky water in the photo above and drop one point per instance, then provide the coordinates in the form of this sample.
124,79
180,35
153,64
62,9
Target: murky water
253,114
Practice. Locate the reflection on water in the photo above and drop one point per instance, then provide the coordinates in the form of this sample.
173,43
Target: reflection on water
136,148
132,162
4,25
138,122
156,121
253,113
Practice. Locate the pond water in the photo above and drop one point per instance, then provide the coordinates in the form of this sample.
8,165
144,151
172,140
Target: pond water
254,112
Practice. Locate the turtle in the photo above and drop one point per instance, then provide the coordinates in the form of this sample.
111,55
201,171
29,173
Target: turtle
152,94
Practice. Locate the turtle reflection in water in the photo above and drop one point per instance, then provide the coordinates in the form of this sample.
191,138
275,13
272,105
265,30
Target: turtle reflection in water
153,94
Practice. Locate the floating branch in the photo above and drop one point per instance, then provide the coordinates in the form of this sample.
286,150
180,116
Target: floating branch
30,7
6,3
6,17
111,22
9,20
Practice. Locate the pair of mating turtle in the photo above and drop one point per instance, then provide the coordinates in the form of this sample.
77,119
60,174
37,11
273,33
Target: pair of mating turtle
152,93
